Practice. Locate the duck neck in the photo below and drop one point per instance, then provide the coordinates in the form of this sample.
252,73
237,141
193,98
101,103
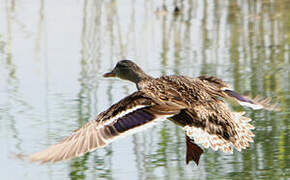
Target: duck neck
141,80
141,76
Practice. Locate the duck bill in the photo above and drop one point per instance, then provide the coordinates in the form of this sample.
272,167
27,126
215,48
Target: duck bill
109,74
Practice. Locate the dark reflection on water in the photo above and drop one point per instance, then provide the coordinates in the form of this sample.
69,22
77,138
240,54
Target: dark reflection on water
51,66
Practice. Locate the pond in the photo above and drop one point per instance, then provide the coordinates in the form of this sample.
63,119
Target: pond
53,54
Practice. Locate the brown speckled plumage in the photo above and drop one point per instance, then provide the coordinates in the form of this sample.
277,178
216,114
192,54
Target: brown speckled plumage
195,104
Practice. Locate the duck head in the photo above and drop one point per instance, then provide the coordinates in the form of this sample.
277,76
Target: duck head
128,70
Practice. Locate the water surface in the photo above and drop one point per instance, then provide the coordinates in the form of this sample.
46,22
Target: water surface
52,55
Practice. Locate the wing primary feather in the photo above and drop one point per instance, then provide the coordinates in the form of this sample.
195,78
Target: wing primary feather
256,103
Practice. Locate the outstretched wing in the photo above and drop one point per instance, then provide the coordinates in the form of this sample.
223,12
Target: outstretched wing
255,103
224,89
132,113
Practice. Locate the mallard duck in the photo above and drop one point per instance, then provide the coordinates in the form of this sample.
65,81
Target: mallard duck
195,104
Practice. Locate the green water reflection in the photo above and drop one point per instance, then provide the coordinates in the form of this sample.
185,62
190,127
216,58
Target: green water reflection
51,61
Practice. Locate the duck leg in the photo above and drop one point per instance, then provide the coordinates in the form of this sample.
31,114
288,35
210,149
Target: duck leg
193,151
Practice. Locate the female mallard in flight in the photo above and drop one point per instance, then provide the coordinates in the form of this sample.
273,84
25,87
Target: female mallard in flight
195,104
